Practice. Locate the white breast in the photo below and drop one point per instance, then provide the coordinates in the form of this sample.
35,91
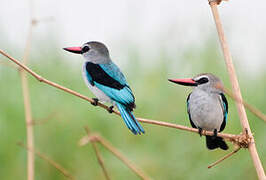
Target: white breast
205,110
96,91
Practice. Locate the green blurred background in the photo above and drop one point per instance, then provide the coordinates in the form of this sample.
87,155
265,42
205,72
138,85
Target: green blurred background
163,153
179,46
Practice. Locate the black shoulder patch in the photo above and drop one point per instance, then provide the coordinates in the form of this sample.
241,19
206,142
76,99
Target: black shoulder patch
226,109
225,101
100,76
189,116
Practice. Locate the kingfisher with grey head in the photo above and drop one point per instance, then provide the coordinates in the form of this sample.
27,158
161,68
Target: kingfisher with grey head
107,82
207,107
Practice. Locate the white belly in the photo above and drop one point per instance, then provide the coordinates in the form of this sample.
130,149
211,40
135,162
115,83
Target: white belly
99,94
205,111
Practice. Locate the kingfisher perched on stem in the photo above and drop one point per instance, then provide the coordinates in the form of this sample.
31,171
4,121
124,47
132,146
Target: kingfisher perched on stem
107,82
207,107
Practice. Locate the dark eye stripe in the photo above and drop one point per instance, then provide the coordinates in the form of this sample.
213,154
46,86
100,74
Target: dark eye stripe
202,80
85,49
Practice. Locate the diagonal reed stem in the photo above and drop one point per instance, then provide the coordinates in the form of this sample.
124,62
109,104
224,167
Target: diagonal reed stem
252,109
225,157
236,90
231,137
27,107
106,144
50,161
98,155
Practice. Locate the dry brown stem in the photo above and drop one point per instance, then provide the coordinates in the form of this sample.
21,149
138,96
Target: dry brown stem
43,120
243,141
29,127
236,91
251,108
50,161
225,157
148,121
26,95
98,155
27,106
97,138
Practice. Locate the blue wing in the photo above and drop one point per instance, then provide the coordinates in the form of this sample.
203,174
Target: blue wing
109,79
123,96
114,72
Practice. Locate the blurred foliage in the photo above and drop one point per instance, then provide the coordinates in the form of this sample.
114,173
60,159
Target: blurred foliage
162,153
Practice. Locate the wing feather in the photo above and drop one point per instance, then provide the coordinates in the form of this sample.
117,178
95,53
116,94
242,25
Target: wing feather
225,110
109,79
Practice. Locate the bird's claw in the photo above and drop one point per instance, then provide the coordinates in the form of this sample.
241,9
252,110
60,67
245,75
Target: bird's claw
200,132
110,109
95,101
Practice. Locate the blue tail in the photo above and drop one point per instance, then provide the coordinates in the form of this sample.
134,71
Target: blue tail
130,119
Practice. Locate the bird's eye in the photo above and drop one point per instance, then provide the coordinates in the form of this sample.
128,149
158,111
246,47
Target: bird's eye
85,49
202,80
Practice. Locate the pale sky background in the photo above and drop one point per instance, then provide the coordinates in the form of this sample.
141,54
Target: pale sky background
149,25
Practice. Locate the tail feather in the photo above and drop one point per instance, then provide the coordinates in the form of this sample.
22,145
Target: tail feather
215,142
129,119
136,122
124,117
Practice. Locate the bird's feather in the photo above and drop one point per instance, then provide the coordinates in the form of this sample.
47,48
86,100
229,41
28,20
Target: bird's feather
113,84
130,119
95,73
225,110
114,72
215,142
123,96
188,111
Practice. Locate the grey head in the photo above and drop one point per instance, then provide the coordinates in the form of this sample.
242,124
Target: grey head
93,51
208,82
205,81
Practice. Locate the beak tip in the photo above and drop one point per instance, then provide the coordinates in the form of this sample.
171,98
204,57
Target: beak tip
184,82
76,50
170,80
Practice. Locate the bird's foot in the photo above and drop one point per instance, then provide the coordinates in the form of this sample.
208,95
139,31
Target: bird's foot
110,109
95,101
200,132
